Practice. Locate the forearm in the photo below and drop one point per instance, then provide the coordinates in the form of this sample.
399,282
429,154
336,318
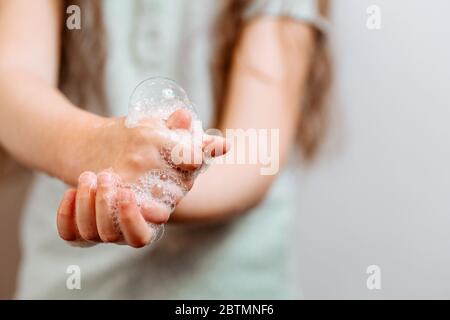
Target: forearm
223,192
266,86
231,187
39,126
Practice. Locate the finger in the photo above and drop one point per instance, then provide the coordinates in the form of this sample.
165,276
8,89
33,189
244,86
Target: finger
187,157
134,228
180,119
104,206
154,212
215,146
66,216
85,206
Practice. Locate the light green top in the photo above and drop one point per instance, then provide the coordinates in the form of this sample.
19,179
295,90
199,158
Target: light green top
245,258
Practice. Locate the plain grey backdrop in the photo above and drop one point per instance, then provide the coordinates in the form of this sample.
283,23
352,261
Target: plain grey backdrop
380,192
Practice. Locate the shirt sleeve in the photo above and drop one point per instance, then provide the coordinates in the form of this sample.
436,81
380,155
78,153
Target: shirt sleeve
303,10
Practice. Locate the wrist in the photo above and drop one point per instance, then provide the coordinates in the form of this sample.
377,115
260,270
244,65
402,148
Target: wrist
77,144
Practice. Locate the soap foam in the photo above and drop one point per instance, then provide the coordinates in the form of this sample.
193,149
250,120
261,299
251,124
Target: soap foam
160,97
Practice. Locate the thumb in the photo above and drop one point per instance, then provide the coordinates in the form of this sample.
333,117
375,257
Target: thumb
215,146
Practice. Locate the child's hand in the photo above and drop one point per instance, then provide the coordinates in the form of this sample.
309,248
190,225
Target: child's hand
102,210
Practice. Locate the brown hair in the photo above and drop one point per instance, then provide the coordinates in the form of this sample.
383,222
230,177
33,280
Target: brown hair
83,59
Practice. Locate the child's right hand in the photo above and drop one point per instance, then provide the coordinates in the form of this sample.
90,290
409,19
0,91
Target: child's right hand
108,143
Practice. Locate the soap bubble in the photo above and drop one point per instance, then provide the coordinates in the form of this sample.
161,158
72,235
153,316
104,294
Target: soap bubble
160,97
157,97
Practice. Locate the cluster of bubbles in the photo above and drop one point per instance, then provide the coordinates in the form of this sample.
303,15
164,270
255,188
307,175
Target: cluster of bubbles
157,97
160,97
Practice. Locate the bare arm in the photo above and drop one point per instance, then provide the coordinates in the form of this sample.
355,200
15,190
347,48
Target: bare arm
268,75
37,123
43,130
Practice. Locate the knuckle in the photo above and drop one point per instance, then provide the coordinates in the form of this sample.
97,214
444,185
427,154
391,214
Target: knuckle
87,174
87,178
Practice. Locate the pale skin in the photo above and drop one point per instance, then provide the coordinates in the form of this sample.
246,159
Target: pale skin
266,85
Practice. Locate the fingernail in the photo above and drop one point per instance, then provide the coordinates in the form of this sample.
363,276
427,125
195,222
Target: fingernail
87,178
105,179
